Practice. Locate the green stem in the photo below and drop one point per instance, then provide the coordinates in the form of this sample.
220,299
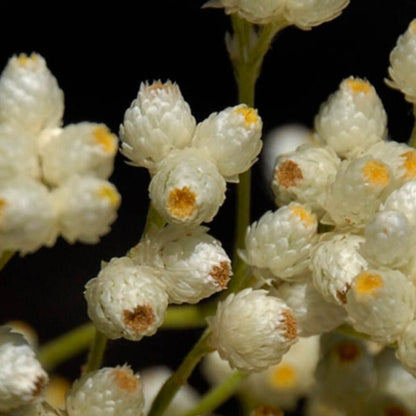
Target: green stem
66,346
5,257
181,375
153,219
217,396
184,317
96,354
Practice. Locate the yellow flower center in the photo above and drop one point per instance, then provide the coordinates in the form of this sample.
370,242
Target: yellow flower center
105,139
182,202
250,115
110,194
409,164
283,376
367,283
300,212
376,173
23,59
357,86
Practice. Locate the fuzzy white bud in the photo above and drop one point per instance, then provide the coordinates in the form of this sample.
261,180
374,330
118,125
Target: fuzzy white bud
352,119
252,330
108,391
187,188
231,138
30,98
126,300
158,121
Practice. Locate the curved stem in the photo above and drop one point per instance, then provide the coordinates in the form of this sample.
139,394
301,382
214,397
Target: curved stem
181,375
96,354
217,396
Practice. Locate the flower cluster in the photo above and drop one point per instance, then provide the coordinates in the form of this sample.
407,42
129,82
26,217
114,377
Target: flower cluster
53,179
189,163
339,249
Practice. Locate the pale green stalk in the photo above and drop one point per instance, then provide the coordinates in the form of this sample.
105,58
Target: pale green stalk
97,350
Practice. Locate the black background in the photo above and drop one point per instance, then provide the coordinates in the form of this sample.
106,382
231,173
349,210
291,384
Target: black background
101,53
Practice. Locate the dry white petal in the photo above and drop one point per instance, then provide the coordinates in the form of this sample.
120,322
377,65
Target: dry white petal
252,330
126,300
30,98
108,391
158,121
187,188
84,149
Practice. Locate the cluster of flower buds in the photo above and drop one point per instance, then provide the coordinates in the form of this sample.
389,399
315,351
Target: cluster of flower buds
173,264
53,179
302,13
189,163
340,247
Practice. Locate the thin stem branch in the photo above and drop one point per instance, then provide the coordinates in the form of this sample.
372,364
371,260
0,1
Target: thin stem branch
181,375
217,396
96,354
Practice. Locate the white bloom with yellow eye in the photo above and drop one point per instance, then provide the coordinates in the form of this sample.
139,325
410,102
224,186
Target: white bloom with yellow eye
187,188
83,149
266,321
381,303
30,98
304,175
126,300
281,241
352,119
193,264
402,68
335,261
283,384
28,219
231,138
22,378
359,188
389,239
158,121
86,208
399,157
109,391
313,313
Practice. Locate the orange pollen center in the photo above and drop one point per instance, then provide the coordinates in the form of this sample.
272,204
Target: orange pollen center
409,164
290,324
376,173
182,202
23,59
288,174
140,318
108,193
368,283
283,376
221,273
300,212
250,115
105,139
126,380
356,86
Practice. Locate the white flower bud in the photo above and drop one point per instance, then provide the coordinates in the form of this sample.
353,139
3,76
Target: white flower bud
126,300
27,216
402,68
403,199
352,119
281,241
18,154
30,98
304,175
187,188
335,261
389,239
283,384
153,379
158,121
313,313
399,157
108,391
252,330
359,188
86,207
231,138
381,303
22,378
406,351
308,13
84,149
194,264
